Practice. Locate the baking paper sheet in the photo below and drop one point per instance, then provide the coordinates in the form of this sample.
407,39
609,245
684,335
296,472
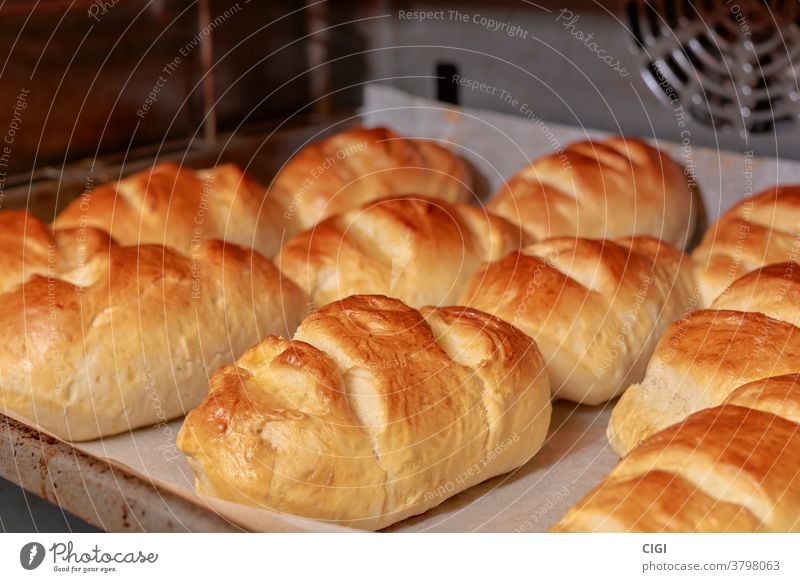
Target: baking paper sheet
576,454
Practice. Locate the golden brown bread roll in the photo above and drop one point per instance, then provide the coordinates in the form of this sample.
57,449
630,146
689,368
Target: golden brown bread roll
778,395
359,165
757,231
180,207
773,290
732,468
602,189
701,359
131,337
595,308
655,501
373,412
416,249
29,247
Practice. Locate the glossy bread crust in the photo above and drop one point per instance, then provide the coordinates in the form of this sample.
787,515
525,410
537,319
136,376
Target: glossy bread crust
359,165
602,189
180,207
730,468
773,290
749,333
596,308
417,249
130,337
29,247
698,362
758,231
373,412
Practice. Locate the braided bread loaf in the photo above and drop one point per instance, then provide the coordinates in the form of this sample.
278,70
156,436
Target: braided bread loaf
757,231
749,333
732,468
359,165
130,337
596,308
416,249
28,247
373,412
612,188
179,207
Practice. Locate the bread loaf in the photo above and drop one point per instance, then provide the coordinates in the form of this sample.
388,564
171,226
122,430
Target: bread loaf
773,290
359,165
29,247
596,308
373,412
419,250
757,231
130,338
180,207
732,468
602,189
701,359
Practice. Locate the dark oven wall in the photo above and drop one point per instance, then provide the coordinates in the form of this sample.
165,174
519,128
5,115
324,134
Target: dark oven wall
89,78
99,79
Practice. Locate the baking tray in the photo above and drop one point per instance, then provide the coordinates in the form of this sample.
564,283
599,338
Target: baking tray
139,481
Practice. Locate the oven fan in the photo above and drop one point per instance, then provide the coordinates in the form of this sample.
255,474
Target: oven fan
730,64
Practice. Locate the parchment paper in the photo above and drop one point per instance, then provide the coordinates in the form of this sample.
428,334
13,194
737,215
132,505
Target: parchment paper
576,454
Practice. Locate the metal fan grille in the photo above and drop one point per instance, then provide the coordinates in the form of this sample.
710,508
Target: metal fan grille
730,64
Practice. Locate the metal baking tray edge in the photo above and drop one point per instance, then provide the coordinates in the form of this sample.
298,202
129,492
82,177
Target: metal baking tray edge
99,491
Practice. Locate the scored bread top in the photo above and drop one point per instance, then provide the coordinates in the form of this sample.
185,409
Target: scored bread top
698,362
602,189
779,395
773,290
757,231
357,165
372,413
596,308
749,333
731,468
130,337
180,207
29,247
420,250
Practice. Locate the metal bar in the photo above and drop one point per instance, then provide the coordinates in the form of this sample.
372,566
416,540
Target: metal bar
318,49
207,66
